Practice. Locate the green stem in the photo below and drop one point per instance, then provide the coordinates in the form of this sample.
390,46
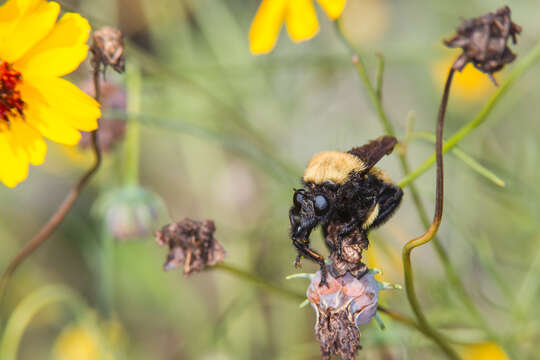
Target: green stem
431,231
106,272
27,309
463,156
379,76
260,282
372,93
531,59
132,142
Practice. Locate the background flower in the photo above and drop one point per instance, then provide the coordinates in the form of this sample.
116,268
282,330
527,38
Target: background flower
36,51
299,16
483,351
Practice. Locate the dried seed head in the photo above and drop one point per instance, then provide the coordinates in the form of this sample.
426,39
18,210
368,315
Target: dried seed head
341,307
192,243
111,130
108,49
484,41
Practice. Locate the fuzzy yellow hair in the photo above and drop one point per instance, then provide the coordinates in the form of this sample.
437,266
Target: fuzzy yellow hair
332,166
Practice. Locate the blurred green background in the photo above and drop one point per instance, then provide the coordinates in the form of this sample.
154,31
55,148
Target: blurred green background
224,135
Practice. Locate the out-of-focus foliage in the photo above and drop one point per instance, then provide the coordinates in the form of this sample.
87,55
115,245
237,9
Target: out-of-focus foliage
225,135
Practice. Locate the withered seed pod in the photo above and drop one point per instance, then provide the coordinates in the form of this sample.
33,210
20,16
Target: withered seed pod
484,41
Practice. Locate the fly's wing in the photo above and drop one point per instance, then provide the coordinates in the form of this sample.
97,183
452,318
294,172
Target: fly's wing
374,150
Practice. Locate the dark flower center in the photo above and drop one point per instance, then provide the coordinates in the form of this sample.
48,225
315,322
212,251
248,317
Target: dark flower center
11,103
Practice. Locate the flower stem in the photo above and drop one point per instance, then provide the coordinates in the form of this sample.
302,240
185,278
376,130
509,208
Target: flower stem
432,230
56,219
132,143
532,58
260,282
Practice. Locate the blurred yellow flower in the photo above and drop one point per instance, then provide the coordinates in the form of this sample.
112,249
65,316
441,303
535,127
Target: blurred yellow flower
298,15
91,339
79,343
372,27
483,351
35,102
469,85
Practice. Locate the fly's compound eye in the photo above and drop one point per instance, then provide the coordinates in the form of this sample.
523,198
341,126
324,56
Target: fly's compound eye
298,198
321,205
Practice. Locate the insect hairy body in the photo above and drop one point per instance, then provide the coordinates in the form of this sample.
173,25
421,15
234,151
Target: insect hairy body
347,196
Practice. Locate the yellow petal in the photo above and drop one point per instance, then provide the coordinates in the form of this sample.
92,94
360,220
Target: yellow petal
483,351
29,141
79,109
60,52
11,12
58,109
301,20
19,146
266,25
14,167
28,29
333,8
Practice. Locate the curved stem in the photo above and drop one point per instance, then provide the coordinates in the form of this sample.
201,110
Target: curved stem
532,58
62,211
27,309
432,230
387,125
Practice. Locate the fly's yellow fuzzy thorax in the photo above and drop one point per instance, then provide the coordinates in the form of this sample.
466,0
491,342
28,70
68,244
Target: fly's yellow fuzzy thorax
332,166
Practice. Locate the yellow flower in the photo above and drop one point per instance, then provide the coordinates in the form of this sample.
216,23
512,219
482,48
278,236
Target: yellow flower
469,85
483,351
372,27
77,342
91,339
298,15
35,102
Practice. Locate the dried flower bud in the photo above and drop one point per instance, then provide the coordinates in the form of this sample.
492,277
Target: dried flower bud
108,49
192,243
341,307
484,41
129,212
111,130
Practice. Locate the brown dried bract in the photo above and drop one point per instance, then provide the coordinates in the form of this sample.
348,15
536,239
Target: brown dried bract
338,335
108,49
192,243
484,41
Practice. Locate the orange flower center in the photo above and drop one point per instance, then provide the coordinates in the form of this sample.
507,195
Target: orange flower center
11,103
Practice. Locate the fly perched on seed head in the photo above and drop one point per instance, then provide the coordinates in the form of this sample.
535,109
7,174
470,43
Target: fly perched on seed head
348,196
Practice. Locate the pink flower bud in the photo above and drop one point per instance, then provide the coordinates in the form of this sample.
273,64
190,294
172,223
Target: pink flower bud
341,307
